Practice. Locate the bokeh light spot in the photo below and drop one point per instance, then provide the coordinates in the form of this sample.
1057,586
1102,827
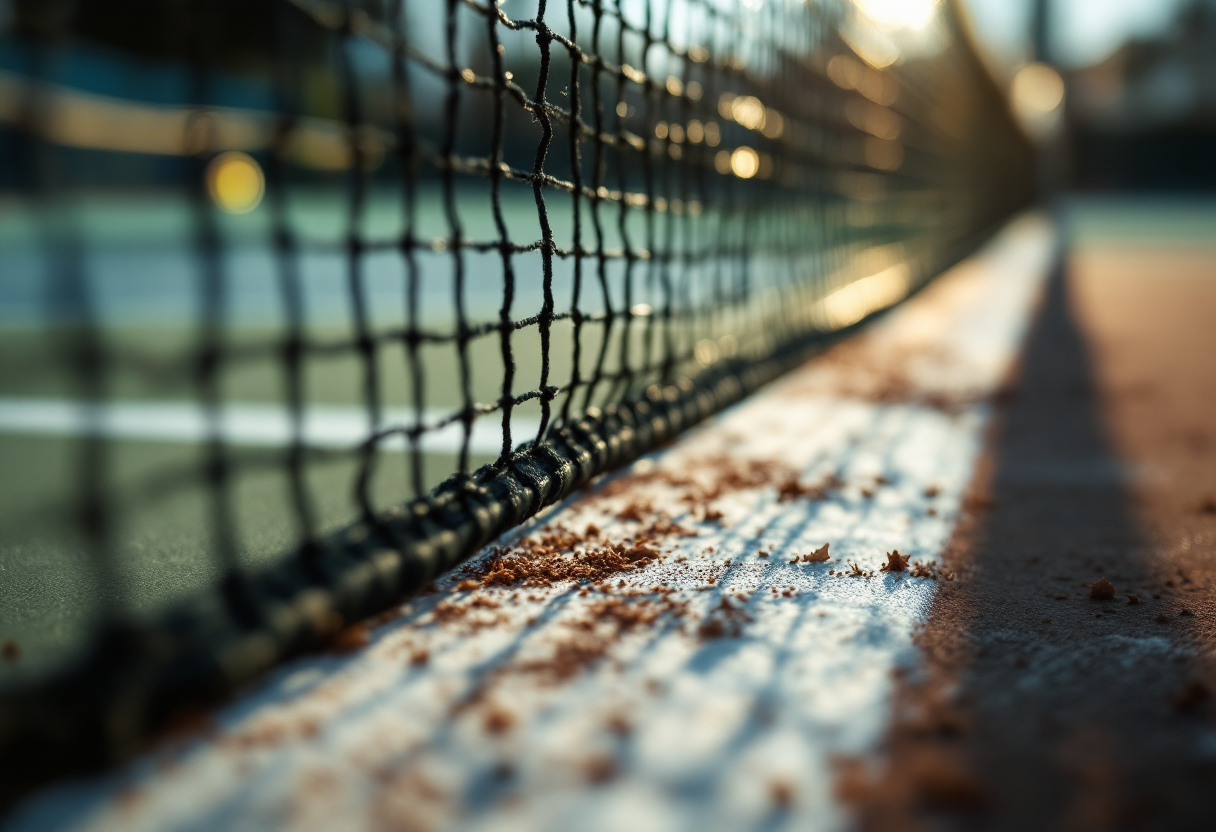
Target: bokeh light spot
1036,94
1037,89
745,162
235,182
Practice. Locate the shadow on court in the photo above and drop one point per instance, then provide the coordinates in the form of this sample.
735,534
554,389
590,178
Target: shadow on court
1039,706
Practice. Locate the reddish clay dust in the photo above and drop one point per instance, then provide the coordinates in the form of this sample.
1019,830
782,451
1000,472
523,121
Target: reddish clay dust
1050,698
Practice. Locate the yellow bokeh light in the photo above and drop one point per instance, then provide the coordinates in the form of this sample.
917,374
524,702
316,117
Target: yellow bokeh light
774,124
848,305
1037,97
1037,89
848,74
873,45
748,111
235,182
745,162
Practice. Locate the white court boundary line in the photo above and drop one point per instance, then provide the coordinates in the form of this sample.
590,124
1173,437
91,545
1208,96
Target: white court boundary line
715,727
251,425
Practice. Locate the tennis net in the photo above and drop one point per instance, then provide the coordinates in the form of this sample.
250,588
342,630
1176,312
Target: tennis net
308,300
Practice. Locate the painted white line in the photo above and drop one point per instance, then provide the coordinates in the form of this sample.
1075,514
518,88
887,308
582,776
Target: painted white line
258,425
548,707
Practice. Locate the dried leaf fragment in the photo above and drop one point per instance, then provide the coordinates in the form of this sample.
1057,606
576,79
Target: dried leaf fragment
498,721
635,511
820,555
350,639
895,562
1102,590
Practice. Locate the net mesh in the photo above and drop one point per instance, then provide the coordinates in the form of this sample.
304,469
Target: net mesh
283,266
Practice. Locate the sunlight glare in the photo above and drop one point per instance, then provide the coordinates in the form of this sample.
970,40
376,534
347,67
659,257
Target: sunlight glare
900,14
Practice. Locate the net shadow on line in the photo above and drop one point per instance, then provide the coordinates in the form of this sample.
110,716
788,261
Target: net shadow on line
464,260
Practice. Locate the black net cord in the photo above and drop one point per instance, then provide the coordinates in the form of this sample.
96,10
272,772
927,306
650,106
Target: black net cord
576,164
364,342
544,40
404,116
210,353
506,401
455,231
598,163
76,338
286,251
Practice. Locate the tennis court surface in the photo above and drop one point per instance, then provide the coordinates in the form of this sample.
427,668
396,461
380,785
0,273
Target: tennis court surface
602,414
702,661
710,682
